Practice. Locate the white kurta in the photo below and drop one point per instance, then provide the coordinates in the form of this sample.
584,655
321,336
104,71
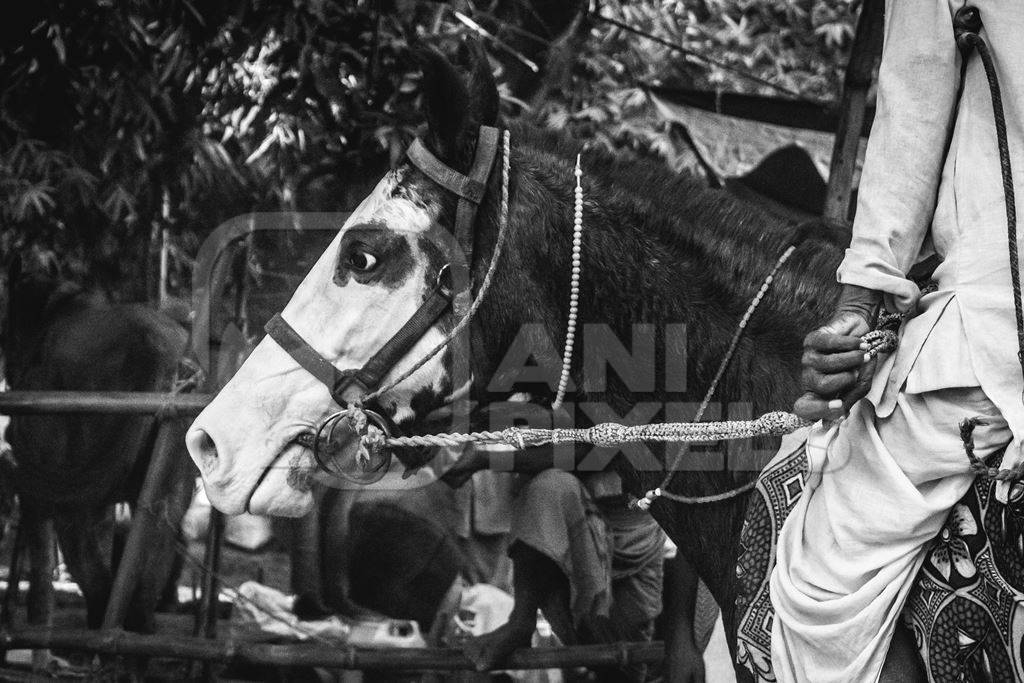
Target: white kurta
887,476
913,204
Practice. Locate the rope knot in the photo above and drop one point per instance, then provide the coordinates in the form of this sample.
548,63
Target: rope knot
966,26
513,436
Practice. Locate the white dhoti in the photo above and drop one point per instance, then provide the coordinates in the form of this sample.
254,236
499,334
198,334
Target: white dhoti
881,486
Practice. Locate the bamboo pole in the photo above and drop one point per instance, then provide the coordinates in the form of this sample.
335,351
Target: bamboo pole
867,48
116,402
145,520
115,642
206,616
206,609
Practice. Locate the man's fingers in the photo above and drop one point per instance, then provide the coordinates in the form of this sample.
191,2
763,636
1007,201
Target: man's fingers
833,362
832,384
826,341
862,385
815,405
812,407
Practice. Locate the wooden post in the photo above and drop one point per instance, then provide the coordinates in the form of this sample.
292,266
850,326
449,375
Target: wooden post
864,56
206,615
144,520
206,610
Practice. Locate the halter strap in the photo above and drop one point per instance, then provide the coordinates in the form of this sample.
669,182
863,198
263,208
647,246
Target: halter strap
305,355
470,187
470,190
372,373
442,174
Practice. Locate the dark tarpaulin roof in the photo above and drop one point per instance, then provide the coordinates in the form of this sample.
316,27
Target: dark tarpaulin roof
805,114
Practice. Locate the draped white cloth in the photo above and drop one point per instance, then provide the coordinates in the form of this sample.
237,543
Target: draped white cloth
883,480
879,491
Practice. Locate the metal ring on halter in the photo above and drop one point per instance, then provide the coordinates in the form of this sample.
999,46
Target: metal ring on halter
326,461
440,274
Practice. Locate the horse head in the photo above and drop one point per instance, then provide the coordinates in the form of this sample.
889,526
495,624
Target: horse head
252,443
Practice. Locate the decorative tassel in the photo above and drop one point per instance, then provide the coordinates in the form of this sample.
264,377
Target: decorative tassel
648,499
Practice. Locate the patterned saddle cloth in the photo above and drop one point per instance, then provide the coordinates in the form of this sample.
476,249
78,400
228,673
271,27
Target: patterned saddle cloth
967,605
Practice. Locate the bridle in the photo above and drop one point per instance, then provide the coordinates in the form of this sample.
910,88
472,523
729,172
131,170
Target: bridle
470,189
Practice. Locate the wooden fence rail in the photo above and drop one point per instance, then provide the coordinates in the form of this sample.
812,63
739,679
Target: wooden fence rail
117,402
116,642
113,641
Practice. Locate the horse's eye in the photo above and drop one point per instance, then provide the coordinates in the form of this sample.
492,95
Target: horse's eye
361,261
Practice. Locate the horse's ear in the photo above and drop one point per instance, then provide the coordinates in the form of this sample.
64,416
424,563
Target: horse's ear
455,109
445,103
483,92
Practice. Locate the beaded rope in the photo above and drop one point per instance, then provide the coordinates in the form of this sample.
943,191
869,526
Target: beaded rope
662,491
574,288
563,379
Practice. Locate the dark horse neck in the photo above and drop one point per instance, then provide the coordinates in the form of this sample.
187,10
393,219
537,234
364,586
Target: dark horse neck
659,250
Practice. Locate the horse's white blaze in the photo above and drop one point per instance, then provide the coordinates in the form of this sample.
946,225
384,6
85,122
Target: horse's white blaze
254,419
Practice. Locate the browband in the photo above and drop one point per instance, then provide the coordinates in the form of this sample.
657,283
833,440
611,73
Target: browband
472,186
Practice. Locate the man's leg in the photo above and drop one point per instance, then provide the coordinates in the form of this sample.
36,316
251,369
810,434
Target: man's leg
538,584
878,494
638,551
561,565
683,651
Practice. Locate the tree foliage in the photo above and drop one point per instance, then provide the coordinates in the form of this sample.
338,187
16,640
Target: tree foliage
798,46
119,121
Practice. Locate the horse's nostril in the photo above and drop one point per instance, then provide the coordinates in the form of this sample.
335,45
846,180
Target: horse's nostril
201,446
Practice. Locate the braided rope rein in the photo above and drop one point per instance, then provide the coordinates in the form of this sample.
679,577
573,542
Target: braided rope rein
662,490
608,433
614,434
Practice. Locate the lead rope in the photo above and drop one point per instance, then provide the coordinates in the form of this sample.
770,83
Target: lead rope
608,434
662,491
570,334
967,26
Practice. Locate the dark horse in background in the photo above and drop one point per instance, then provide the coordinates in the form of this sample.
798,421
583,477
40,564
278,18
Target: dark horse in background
657,250
72,469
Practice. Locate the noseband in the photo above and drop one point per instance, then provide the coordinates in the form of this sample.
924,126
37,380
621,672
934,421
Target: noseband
470,190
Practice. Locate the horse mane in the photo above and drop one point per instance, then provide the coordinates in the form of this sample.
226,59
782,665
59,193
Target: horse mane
662,248
724,246
711,219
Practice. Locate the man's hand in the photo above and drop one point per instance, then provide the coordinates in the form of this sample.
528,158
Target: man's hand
836,371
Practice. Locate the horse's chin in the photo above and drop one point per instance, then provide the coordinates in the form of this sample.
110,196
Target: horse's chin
285,488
